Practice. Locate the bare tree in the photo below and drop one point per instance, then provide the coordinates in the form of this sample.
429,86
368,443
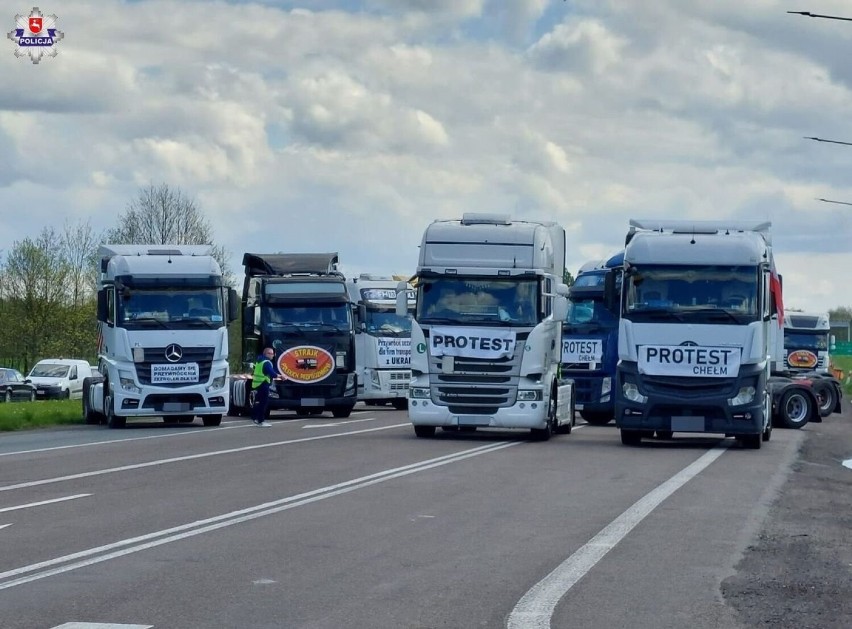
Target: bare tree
162,215
79,247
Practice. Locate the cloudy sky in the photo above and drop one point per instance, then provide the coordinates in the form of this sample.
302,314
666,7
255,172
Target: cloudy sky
349,125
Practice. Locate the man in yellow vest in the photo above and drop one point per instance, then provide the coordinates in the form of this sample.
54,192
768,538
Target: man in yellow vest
264,373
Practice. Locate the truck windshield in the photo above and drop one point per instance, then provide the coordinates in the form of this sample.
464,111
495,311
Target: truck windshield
172,308
335,317
470,301
385,322
805,340
692,294
589,315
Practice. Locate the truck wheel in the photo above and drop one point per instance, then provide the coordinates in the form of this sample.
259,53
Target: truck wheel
795,409
342,411
113,420
751,442
826,396
211,420
664,434
8,397
89,415
400,404
424,431
596,418
631,437
544,434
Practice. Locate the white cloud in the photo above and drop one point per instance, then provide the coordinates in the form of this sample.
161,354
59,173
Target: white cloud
332,129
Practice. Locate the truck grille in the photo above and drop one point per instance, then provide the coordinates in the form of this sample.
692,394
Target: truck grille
477,385
686,387
157,355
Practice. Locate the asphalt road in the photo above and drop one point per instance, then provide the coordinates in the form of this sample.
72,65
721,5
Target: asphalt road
328,523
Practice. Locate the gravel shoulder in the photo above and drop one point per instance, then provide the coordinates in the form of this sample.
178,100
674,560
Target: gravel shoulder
798,570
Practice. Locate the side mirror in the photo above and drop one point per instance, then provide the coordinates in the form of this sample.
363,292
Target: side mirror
362,318
611,293
560,308
233,305
401,299
103,305
248,319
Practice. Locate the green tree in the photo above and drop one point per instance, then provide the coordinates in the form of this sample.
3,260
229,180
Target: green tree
567,278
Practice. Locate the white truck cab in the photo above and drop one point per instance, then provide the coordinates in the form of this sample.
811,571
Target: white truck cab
163,312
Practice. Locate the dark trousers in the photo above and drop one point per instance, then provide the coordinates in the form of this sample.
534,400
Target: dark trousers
261,402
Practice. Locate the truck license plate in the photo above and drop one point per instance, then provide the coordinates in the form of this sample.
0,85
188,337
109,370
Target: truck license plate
687,424
175,407
312,401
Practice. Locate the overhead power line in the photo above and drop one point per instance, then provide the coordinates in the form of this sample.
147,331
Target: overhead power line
829,141
830,201
827,17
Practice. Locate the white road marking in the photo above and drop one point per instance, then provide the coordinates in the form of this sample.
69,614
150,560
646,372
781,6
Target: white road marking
237,423
351,421
848,463
3,526
144,542
44,502
191,457
536,607
99,625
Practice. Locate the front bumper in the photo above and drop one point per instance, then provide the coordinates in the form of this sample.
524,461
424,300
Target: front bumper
690,404
50,393
520,415
325,394
195,400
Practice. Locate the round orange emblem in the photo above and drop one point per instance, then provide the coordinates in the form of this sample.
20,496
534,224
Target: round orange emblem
802,358
306,363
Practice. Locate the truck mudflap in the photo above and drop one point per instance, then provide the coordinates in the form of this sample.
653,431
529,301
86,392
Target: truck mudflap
565,404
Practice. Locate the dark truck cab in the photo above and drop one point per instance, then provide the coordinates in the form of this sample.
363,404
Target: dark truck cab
298,305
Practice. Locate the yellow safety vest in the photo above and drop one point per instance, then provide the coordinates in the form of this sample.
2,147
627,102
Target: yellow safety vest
258,378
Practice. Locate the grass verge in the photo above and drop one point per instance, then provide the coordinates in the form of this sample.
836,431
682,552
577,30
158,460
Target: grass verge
844,363
23,415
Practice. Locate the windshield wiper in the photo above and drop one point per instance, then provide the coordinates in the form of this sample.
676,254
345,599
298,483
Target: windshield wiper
159,322
725,314
204,322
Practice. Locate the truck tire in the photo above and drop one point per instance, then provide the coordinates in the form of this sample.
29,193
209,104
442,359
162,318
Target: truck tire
596,418
400,404
113,420
424,432
794,409
211,420
751,442
89,414
341,411
631,437
826,395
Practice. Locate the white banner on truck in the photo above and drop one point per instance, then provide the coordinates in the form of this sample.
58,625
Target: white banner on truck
689,360
174,373
394,352
582,351
471,342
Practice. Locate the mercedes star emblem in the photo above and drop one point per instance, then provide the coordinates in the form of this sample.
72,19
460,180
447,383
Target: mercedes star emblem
174,353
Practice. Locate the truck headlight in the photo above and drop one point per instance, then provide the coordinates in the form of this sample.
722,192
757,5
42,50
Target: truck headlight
420,393
374,377
606,386
350,380
744,396
218,381
529,395
128,382
340,359
631,392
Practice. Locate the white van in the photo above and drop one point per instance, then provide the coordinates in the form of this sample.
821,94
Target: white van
59,378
